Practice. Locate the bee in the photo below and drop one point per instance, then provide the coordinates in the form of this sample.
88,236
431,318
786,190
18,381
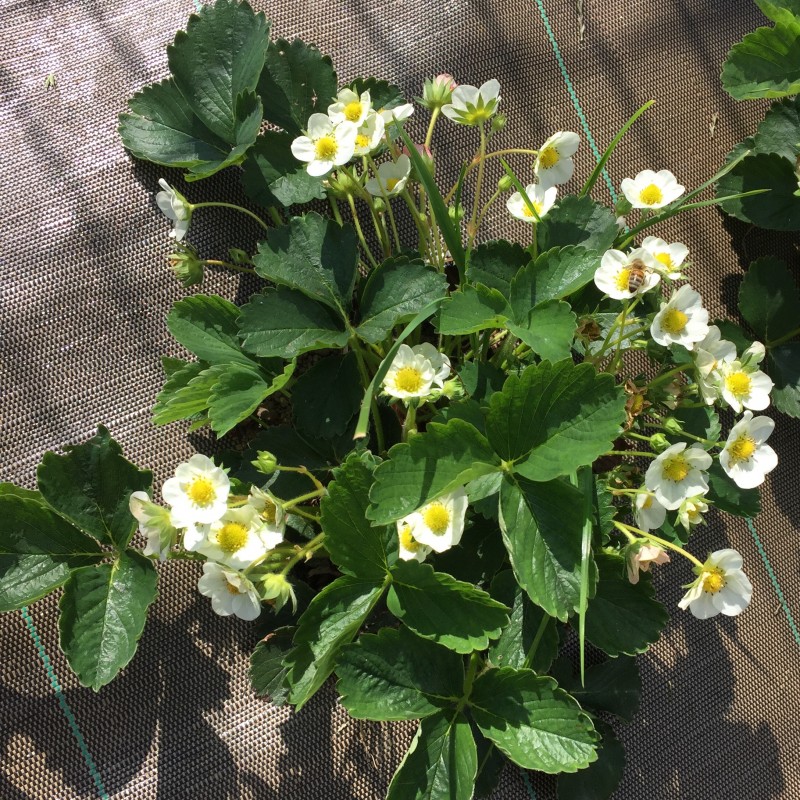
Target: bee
636,275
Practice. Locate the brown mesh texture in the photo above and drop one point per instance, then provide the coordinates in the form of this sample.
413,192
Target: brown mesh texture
85,291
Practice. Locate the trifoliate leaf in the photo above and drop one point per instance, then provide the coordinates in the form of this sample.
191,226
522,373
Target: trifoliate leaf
548,329
623,618
579,221
536,724
91,486
103,612
428,465
396,675
355,546
494,264
185,392
472,309
768,298
560,272
438,607
779,131
441,763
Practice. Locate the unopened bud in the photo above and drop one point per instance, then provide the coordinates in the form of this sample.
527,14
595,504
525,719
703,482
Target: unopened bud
499,122
505,183
277,588
342,185
659,442
437,91
187,266
238,256
265,463
456,214
673,425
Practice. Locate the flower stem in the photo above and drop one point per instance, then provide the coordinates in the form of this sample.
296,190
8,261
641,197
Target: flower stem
628,529
214,263
359,232
304,552
431,124
471,229
409,423
629,453
249,213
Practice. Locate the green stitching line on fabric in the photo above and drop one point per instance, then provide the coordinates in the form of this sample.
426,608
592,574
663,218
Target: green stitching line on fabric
62,702
528,786
774,578
573,96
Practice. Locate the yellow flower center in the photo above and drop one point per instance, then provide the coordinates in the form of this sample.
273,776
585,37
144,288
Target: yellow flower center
528,213
548,157
651,195
232,588
232,537
407,541
741,449
352,111
648,501
436,517
201,492
623,277
408,379
391,183
676,468
738,384
665,259
674,321
713,580
326,147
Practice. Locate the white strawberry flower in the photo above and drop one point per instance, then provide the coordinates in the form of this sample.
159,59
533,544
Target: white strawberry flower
198,493
326,145
708,355
677,473
155,524
690,512
720,587
174,206
742,384
391,179
396,114
369,134
271,512
416,372
652,189
410,549
350,107
668,257
642,557
440,524
230,592
649,513
613,276
554,164
471,105
238,539
682,320
542,199
745,458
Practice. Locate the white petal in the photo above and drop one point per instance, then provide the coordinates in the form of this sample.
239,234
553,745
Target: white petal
703,607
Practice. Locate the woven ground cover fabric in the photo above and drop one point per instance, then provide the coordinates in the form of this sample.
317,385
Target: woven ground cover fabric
85,290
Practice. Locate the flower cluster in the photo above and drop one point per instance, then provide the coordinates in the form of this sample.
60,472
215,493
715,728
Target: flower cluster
437,526
235,534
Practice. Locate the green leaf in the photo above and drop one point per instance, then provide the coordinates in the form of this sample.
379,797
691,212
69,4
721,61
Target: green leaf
766,63
272,176
614,686
267,670
185,392
314,255
331,620
327,396
557,416
530,635
481,379
536,724
494,264
728,497
702,422
578,221
428,465
561,271
542,525
355,546
779,131
480,555
297,82
395,675
784,368
218,59
778,10
103,612
768,298
438,607
207,326
778,209
601,779
91,486
734,333
162,128
623,618
397,290
37,548
441,763
283,322
238,392
472,309
548,329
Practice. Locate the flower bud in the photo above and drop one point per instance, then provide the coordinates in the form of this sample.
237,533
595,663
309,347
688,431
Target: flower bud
499,122
427,157
673,425
266,462
238,256
437,91
187,266
276,587
659,442
505,183
456,214
378,205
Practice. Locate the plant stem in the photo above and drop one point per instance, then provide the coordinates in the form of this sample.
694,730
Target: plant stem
376,417
313,545
530,655
214,263
249,213
409,422
627,529
784,338
629,453
431,124
471,228
359,232
302,498
335,209
666,375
